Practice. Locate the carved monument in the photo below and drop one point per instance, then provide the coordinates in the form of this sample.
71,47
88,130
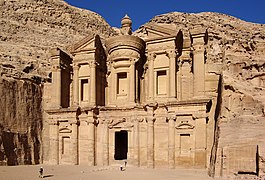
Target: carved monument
148,98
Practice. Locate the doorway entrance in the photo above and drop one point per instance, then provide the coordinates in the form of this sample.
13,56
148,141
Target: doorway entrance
121,145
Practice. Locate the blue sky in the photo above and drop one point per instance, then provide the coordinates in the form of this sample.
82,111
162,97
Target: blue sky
141,11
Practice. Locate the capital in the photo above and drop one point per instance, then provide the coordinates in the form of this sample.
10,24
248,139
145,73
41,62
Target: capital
53,122
199,115
93,64
76,66
172,54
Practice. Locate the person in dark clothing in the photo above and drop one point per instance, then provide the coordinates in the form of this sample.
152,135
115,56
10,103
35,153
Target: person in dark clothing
41,172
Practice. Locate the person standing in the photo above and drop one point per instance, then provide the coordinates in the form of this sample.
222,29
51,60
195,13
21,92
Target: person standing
41,172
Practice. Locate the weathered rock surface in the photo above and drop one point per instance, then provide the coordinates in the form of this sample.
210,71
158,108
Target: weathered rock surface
20,122
29,28
236,49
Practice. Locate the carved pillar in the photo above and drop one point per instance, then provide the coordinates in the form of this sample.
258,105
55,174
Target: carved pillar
56,80
132,83
198,35
150,136
93,83
172,74
201,139
151,58
76,85
91,140
171,142
105,143
113,86
54,142
74,142
87,138
136,142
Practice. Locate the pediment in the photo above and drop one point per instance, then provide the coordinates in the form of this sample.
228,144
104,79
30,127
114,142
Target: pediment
86,43
156,30
120,124
65,130
184,126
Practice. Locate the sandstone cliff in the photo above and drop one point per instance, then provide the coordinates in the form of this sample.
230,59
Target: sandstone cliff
235,50
29,28
20,122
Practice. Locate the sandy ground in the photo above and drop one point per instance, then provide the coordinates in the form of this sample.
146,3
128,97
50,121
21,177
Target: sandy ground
99,173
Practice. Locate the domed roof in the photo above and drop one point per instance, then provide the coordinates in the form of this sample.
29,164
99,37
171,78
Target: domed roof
126,21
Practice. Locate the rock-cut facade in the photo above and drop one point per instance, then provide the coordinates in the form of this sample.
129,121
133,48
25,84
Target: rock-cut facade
149,98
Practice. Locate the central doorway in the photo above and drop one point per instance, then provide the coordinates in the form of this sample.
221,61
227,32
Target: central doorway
121,145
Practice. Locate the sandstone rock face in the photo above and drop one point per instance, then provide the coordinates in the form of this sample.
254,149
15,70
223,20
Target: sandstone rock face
29,28
20,122
236,51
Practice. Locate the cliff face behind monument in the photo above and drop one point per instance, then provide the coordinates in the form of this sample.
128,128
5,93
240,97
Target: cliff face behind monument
235,50
29,29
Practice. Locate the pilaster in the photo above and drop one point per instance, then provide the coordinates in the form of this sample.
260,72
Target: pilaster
132,82
74,142
198,38
105,143
76,84
151,58
201,139
150,135
136,142
93,83
54,142
171,141
172,74
56,80
87,138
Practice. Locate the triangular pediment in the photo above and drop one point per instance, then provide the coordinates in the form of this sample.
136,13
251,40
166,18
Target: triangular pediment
86,43
156,30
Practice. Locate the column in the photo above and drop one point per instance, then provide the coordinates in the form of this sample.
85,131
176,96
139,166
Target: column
91,141
136,142
93,83
76,85
132,83
114,87
151,76
74,142
150,137
54,142
106,143
198,36
200,141
171,142
56,80
56,77
172,74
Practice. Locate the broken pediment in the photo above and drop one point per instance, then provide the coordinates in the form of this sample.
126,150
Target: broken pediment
65,130
120,124
184,126
155,30
87,43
